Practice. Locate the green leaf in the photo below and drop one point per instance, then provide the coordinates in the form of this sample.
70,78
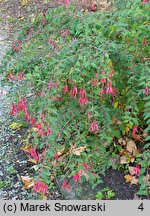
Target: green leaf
147,138
116,133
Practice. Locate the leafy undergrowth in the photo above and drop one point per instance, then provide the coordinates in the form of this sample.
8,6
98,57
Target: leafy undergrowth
85,94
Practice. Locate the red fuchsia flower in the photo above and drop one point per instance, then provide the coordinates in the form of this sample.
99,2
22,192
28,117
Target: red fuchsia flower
23,102
38,126
65,33
40,187
93,127
144,2
103,80
32,121
10,76
42,117
102,92
59,98
41,132
14,77
58,135
56,155
92,7
15,48
21,76
82,93
56,85
19,42
64,184
38,94
68,186
34,154
44,189
85,165
137,170
50,84
65,90
30,31
49,132
14,109
144,42
42,92
82,101
73,92
109,89
127,131
22,105
114,91
43,21
51,42
146,91
77,176
94,82
112,72
134,130
66,2
26,116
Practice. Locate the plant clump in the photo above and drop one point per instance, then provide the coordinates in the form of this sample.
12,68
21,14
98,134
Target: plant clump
90,100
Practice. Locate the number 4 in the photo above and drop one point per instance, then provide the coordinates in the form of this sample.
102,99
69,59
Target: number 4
141,207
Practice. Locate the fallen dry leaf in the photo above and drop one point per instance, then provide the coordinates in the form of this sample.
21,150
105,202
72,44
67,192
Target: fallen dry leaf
134,180
32,161
147,179
124,160
78,151
27,182
26,149
21,18
15,126
131,147
131,179
62,151
132,160
44,197
24,2
121,141
131,170
128,178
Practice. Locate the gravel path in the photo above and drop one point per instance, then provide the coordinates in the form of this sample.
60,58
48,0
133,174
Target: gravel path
13,162
11,159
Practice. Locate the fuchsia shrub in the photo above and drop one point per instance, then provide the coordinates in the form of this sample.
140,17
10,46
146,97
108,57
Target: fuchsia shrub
91,84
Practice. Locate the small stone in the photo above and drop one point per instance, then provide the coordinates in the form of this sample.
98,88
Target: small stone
1,174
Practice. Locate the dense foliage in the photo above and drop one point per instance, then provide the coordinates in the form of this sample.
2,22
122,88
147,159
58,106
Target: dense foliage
90,99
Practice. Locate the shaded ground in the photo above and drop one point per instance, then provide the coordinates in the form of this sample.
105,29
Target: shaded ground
13,162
